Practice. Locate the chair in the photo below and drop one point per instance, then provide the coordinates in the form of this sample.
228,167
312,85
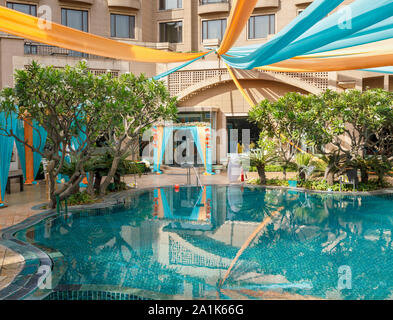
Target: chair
350,177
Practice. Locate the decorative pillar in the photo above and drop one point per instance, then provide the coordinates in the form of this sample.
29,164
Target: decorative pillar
29,154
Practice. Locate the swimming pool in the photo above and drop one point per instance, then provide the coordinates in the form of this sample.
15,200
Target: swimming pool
179,244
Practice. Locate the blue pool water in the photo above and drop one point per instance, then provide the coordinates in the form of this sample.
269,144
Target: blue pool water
165,244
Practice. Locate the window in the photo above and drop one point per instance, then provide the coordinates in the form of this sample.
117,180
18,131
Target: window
213,29
261,26
76,19
25,8
171,32
122,26
170,4
31,48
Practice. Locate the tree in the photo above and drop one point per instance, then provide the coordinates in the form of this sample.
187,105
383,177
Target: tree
67,103
140,102
263,155
347,129
360,124
292,120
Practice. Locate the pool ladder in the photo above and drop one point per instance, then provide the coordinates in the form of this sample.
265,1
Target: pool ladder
197,177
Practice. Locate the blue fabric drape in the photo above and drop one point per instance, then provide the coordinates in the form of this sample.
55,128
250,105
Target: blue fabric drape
363,15
20,133
380,31
195,136
387,70
314,13
7,123
167,134
167,73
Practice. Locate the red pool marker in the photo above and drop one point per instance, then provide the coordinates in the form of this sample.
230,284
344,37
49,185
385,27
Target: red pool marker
177,188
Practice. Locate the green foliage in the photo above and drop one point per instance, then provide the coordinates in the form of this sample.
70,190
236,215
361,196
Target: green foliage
322,185
80,198
303,159
364,118
72,102
265,153
276,168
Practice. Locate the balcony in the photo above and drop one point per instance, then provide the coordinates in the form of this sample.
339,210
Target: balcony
303,2
78,1
263,4
211,43
38,49
213,6
127,4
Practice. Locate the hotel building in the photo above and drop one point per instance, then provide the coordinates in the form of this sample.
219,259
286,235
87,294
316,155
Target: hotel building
204,89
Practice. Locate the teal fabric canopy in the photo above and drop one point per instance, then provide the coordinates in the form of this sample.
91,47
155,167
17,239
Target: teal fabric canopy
7,123
307,33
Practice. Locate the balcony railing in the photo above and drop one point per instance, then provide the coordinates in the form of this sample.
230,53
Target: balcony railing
203,2
37,49
213,6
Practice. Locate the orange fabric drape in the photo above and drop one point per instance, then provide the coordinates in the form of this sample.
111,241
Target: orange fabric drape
350,62
252,104
239,86
29,155
240,13
27,26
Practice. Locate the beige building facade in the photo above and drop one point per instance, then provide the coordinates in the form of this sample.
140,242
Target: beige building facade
204,88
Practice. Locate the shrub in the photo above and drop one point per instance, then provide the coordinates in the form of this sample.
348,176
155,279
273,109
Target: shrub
80,198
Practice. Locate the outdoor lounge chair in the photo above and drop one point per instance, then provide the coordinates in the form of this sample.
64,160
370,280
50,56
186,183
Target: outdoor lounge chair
350,177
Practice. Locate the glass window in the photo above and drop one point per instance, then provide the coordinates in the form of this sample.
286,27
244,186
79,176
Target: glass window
25,8
122,26
31,48
261,26
76,19
171,32
170,4
213,29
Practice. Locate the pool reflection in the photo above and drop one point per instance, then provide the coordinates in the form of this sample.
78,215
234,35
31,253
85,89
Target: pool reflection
168,244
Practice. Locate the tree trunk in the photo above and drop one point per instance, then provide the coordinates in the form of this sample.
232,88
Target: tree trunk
109,177
72,189
330,178
97,182
284,171
262,173
329,175
364,175
51,185
90,184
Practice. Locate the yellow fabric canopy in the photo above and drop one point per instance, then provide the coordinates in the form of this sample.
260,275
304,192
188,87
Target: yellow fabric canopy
27,26
238,18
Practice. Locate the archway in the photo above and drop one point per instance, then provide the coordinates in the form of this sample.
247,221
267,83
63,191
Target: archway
201,133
